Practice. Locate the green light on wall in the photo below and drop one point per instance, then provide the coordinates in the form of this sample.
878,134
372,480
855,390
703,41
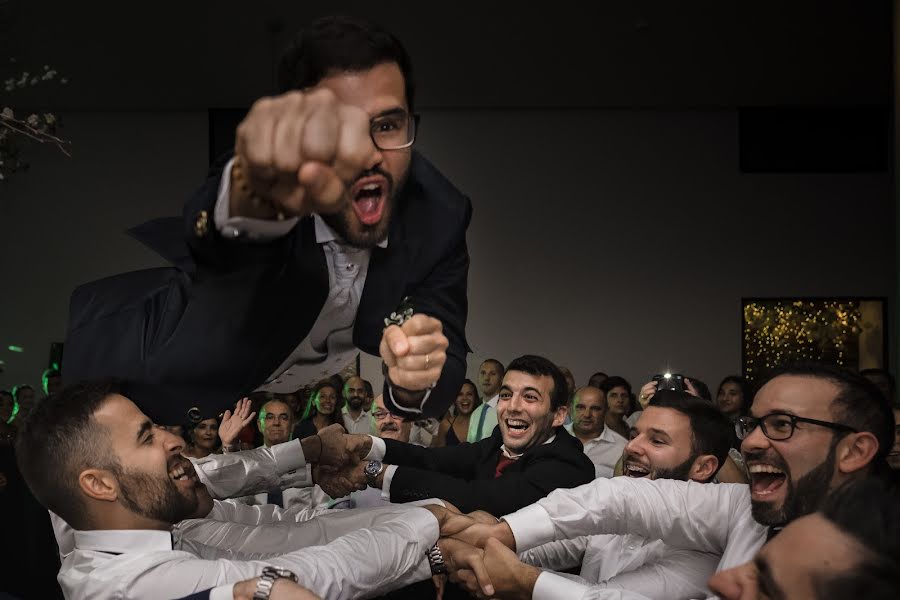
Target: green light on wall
16,349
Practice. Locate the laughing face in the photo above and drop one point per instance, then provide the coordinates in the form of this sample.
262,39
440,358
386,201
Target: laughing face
380,91
524,411
465,400
154,480
660,446
788,478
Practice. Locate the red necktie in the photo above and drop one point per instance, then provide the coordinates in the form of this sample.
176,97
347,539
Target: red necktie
502,464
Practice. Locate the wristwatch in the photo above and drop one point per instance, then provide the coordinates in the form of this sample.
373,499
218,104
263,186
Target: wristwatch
436,560
267,580
372,470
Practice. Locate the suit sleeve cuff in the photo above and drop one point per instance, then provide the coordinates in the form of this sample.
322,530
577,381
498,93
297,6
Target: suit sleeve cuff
550,586
378,449
258,230
222,592
407,410
386,482
531,526
289,456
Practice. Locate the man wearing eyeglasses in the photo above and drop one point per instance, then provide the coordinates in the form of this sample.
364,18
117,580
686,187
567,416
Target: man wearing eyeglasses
324,234
811,429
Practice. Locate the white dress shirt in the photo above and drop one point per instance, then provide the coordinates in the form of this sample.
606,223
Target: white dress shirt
686,515
605,450
624,562
361,424
265,468
139,564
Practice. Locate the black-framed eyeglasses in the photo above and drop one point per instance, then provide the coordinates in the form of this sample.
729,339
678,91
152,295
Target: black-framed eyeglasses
394,131
780,426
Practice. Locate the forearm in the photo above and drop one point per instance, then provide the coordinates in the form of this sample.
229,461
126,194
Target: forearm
683,515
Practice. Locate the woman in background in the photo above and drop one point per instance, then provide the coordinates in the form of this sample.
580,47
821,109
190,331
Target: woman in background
454,426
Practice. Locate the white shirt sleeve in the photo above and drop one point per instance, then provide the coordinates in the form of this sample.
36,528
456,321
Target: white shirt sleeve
222,592
553,586
559,555
378,449
214,539
254,471
386,482
231,511
677,574
688,515
364,563
258,230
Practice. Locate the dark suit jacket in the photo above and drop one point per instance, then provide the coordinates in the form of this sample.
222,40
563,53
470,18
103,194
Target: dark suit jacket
464,474
212,328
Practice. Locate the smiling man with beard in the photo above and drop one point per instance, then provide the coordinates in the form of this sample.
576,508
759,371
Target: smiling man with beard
356,418
324,234
92,457
811,428
529,454
678,437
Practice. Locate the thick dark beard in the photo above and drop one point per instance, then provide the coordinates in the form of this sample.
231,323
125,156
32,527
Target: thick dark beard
154,498
355,233
355,402
803,498
680,472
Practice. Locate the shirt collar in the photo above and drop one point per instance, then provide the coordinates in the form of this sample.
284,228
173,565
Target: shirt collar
512,456
607,435
325,234
121,541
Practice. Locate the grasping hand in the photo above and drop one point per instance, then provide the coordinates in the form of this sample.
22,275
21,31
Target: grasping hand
338,482
414,352
459,556
510,577
340,448
232,424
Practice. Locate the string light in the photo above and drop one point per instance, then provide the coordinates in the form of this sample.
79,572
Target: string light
781,331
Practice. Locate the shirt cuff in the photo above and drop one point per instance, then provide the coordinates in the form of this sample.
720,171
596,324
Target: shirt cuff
222,592
288,456
386,482
531,526
378,449
408,409
550,586
259,230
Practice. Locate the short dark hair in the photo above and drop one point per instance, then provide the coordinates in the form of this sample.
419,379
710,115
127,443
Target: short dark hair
538,366
868,510
338,44
496,362
710,429
859,403
60,439
613,382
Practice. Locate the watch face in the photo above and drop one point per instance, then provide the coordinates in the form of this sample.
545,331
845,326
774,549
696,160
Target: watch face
372,468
